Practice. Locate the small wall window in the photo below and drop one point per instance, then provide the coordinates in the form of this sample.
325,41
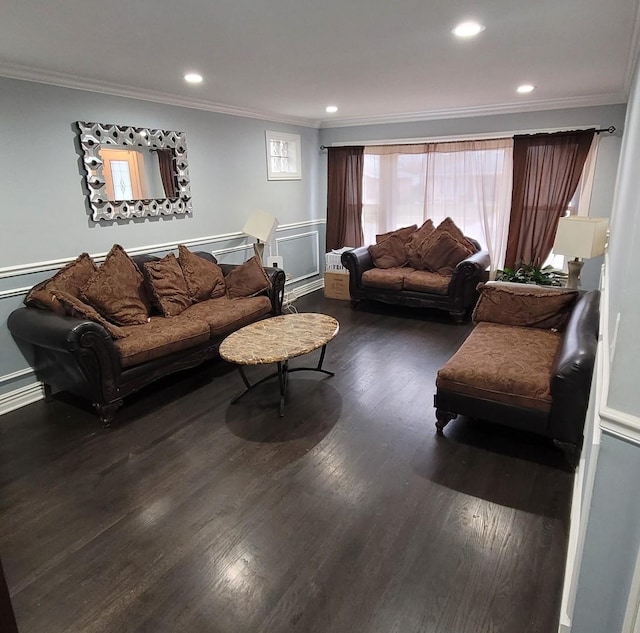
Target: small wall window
283,156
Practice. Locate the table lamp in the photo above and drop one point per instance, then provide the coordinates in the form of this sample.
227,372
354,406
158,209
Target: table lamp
261,226
580,238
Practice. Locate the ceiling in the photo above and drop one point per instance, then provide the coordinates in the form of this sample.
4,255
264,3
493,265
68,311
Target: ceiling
287,59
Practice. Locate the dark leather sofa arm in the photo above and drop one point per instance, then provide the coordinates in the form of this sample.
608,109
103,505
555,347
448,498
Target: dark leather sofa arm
573,371
356,261
467,275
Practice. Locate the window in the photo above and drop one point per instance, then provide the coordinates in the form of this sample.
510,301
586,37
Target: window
283,156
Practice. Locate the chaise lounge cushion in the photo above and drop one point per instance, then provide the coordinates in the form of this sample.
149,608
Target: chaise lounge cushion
158,337
524,305
224,315
503,363
426,281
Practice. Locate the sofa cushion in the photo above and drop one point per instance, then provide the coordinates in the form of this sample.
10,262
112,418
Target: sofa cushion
524,305
224,315
452,228
247,280
412,245
69,279
389,254
116,290
167,286
158,337
387,278
205,279
77,308
426,281
441,253
503,363
404,234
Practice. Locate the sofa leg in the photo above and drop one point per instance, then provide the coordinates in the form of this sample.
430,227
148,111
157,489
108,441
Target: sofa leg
106,412
48,392
457,316
443,418
571,452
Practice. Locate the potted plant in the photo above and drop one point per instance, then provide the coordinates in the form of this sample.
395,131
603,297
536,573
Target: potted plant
531,274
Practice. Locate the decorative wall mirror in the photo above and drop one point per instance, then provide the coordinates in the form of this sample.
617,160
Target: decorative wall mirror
133,172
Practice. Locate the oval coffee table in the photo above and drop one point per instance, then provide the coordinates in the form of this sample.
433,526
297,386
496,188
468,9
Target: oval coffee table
276,340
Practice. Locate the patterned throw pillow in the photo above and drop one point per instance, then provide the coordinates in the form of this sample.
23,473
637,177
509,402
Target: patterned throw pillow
247,280
404,234
414,242
167,285
442,253
451,227
117,290
205,279
389,254
76,308
69,279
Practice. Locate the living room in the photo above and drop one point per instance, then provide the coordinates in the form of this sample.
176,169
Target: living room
51,224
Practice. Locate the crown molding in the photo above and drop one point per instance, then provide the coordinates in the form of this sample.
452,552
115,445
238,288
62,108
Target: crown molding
75,82
488,110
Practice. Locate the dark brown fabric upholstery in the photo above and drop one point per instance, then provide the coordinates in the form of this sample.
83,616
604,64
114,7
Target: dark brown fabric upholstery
205,279
426,281
443,254
389,278
69,279
77,308
247,280
524,305
452,228
415,241
503,363
224,315
389,254
159,337
117,290
167,286
404,234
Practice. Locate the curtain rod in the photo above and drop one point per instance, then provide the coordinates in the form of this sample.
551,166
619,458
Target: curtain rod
609,130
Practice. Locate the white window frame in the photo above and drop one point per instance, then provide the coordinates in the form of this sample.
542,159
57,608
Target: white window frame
294,171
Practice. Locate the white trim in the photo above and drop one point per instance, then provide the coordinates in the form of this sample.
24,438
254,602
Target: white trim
21,397
634,49
475,111
16,374
295,144
300,225
232,249
300,291
14,292
621,424
75,82
631,622
288,238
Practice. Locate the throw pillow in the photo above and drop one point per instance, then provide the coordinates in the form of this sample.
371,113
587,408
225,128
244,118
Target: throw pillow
404,234
442,254
117,290
450,227
412,245
389,254
76,308
69,279
526,306
205,279
247,280
167,285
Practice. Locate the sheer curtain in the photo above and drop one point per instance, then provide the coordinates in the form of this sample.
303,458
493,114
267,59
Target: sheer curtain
468,181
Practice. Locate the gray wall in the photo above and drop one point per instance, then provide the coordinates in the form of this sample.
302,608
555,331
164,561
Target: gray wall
601,117
45,214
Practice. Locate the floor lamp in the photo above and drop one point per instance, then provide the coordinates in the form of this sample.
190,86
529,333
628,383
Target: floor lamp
262,227
581,238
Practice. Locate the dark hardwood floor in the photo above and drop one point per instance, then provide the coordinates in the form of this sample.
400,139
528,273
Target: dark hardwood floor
348,515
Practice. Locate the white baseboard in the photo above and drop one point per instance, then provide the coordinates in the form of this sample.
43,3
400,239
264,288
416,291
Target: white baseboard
21,397
304,289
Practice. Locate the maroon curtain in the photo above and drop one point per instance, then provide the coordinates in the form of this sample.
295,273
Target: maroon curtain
546,172
344,197
165,161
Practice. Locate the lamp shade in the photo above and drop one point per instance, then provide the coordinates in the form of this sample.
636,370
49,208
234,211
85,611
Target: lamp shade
581,237
261,225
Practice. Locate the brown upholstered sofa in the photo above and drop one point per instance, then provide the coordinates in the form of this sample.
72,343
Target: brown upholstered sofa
103,362
527,364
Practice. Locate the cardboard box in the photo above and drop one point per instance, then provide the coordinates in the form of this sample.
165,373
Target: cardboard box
336,286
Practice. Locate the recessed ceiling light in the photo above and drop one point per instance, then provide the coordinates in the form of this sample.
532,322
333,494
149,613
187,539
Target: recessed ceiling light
525,88
468,29
193,78
331,109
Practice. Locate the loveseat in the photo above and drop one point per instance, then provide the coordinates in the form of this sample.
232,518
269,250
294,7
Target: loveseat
73,347
527,364
426,267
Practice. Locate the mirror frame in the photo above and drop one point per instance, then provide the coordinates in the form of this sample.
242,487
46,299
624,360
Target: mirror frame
92,136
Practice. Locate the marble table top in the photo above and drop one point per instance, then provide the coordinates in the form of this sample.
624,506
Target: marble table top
278,338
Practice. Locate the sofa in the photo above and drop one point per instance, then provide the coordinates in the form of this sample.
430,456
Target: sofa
426,267
527,364
190,309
